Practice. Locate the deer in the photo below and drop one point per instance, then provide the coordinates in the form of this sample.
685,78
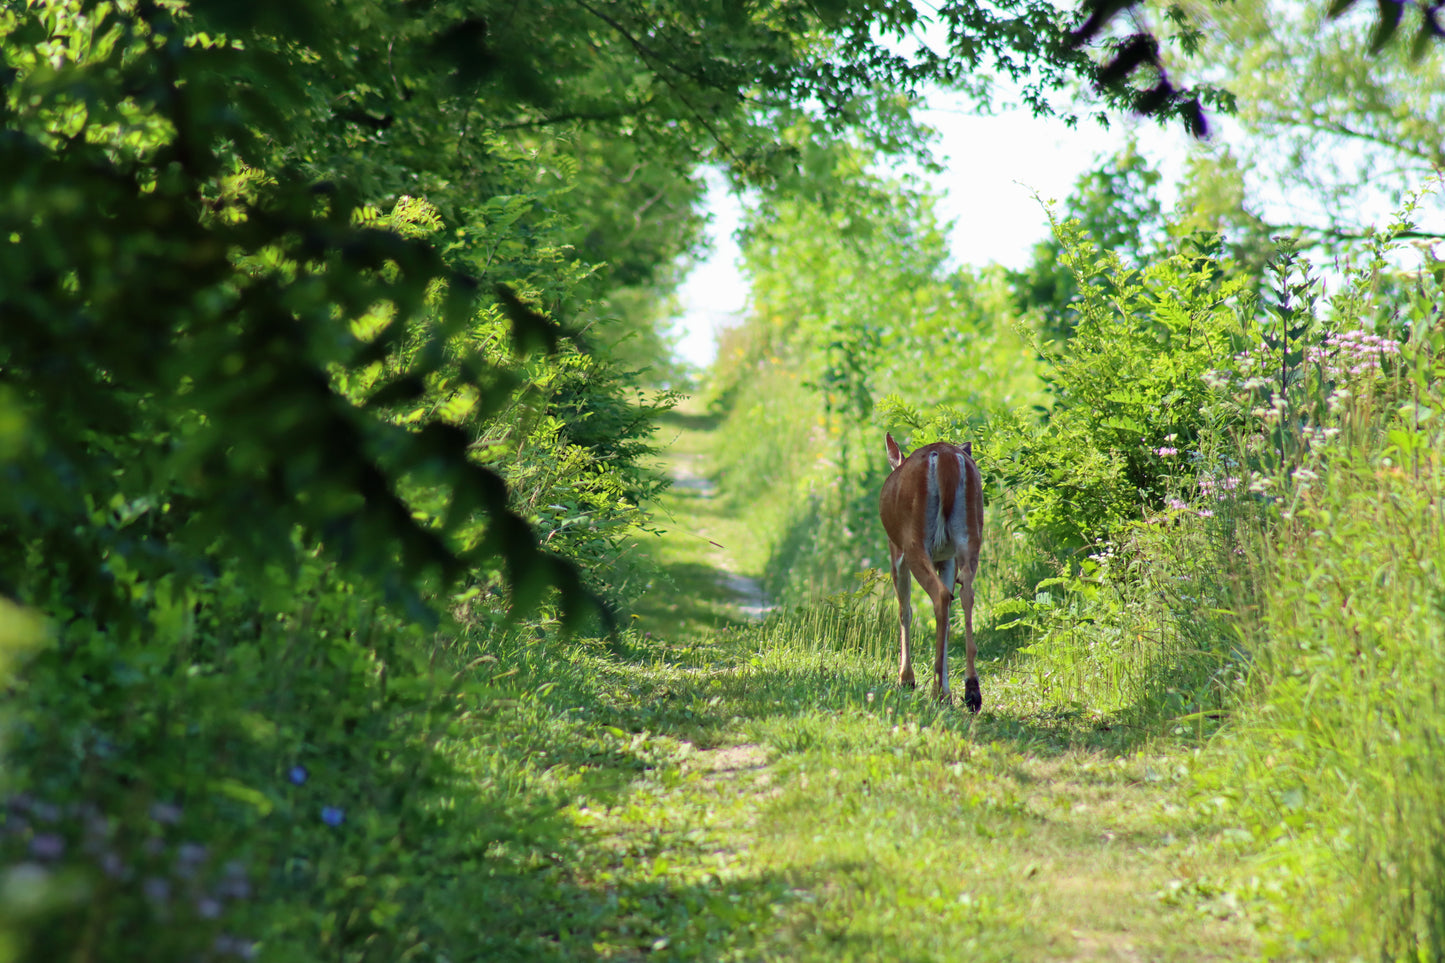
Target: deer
932,510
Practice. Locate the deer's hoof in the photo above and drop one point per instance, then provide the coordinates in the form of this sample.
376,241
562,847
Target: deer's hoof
972,697
905,679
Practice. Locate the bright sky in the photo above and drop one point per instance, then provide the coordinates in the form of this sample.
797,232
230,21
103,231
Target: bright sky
994,164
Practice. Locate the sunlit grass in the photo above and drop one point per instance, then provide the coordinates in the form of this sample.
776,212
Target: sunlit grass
707,547
1218,740
1333,761
857,820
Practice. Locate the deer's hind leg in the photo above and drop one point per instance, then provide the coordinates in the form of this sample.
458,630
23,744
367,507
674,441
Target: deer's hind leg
972,695
944,570
903,588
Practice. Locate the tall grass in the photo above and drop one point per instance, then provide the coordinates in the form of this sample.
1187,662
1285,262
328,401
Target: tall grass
862,623
1334,758
1291,589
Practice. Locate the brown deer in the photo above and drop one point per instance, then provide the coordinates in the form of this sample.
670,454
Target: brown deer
932,509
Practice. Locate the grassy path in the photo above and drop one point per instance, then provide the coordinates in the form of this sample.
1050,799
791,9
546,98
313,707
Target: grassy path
710,557
754,792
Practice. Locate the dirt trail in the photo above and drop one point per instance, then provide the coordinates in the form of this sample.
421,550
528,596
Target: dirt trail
707,586
802,768
752,601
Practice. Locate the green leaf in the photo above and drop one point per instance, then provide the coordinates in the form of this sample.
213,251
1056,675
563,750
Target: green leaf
239,791
531,329
1129,425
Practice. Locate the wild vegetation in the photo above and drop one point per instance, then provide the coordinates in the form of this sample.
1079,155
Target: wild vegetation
1216,523
337,425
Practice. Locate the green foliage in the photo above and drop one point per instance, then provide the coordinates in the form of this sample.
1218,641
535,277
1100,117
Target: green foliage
319,370
1116,207
273,346
1126,394
1219,529
855,306
197,775
1330,133
322,329
1339,613
147,432
1284,586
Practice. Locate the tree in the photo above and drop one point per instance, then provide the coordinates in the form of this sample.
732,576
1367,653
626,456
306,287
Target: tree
1117,208
1337,118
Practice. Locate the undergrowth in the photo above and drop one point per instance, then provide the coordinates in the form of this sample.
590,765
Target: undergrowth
1222,528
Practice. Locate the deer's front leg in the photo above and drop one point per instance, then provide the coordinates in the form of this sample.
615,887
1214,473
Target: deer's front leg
903,588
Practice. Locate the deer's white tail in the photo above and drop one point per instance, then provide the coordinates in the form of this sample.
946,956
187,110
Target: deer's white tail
936,527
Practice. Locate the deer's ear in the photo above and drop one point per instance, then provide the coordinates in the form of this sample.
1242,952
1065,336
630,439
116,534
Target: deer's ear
967,447
895,457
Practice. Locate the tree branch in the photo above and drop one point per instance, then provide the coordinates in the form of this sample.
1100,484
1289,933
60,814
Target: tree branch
564,118
1325,234
1342,129
652,58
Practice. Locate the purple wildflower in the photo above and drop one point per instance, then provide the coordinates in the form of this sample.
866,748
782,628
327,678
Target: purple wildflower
228,945
233,883
297,774
332,815
112,865
165,813
234,887
1216,487
47,846
156,889
189,858
1352,353
98,829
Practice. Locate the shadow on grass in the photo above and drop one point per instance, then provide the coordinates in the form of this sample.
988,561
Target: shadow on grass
689,421
707,696
687,599
706,706
549,888
692,593
577,908
527,879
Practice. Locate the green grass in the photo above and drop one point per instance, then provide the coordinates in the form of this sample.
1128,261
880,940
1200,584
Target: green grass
1153,777
706,546
1333,764
724,790
770,797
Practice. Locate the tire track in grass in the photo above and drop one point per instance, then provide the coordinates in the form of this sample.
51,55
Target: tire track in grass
747,590
808,810
704,588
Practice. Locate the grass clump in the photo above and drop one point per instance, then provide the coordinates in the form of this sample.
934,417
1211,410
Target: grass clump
1333,755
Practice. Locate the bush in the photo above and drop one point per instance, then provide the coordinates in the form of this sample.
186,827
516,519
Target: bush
1126,394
